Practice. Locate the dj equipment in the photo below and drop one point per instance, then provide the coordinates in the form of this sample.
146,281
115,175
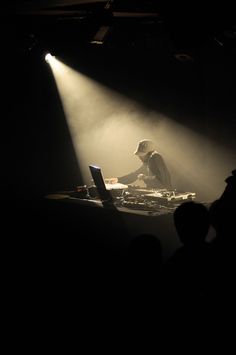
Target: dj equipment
135,197
161,194
171,195
152,199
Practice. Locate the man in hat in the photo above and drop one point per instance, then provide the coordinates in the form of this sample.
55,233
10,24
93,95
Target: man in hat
153,170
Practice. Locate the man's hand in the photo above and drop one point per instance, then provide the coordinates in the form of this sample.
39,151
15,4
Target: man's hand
111,181
144,177
141,177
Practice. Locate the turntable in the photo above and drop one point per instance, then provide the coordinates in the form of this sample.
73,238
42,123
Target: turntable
137,190
171,195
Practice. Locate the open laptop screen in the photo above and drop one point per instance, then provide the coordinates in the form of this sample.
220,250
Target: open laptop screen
96,173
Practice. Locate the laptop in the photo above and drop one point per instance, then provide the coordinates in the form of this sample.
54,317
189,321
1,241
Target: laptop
99,182
104,190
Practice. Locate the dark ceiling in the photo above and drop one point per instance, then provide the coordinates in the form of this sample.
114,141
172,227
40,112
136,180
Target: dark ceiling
119,23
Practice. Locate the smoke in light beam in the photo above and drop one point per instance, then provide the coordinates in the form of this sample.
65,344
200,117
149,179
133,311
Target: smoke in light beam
105,127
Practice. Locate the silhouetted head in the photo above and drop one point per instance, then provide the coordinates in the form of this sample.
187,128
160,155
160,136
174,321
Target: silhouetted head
192,222
228,197
222,210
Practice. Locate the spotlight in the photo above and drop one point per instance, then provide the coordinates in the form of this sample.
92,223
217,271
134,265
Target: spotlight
184,57
101,34
49,57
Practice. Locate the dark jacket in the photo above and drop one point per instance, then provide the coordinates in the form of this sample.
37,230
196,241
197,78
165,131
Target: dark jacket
155,171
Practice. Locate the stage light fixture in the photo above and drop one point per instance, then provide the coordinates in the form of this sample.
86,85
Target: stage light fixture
101,34
49,57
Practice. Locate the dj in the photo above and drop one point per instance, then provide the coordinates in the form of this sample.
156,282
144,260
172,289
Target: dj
153,171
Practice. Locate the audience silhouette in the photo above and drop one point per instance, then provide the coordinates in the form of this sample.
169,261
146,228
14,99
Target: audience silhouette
222,218
131,283
185,273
